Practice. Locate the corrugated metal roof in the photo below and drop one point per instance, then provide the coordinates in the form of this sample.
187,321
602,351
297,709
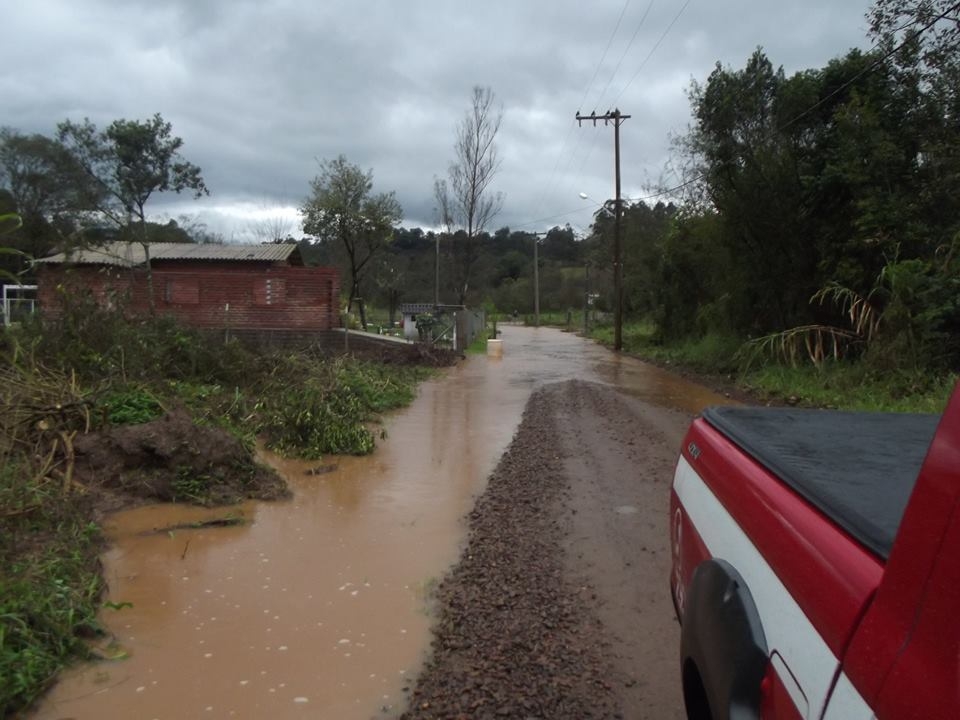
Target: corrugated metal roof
127,254
417,308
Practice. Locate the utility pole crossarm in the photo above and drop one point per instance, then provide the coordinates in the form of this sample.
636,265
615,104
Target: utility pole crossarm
607,117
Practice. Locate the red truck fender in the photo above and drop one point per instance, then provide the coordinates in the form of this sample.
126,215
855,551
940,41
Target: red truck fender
722,645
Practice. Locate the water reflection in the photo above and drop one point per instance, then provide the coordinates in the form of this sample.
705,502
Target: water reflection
316,605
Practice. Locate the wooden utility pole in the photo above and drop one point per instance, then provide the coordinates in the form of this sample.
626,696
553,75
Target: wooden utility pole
616,118
536,278
586,300
436,277
536,283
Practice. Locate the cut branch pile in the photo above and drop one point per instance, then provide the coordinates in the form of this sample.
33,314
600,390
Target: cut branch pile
41,413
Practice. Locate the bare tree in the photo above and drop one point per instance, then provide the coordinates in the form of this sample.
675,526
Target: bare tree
272,225
467,203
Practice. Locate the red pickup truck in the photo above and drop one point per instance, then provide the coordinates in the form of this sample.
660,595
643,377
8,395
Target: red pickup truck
816,564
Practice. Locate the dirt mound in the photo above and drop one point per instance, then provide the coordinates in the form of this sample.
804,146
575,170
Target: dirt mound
173,459
515,636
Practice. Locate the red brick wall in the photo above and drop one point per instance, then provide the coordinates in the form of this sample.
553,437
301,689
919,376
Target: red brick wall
208,294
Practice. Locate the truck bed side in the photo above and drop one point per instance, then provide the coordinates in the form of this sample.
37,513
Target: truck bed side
857,468
838,536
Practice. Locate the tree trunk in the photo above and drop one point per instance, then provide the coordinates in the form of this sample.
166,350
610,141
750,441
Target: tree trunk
151,304
363,314
393,295
359,298
149,266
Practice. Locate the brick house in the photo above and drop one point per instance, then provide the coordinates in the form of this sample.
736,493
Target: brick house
247,288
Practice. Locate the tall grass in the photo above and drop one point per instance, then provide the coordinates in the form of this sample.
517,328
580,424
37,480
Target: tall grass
712,353
846,384
850,386
49,583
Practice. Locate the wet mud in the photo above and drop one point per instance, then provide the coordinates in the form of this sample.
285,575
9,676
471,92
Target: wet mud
515,635
318,605
558,605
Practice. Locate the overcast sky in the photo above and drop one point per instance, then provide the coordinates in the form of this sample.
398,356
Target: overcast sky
261,89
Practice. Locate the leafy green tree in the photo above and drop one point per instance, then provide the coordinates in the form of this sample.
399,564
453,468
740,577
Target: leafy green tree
9,222
124,166
40,185
560,245
753,180
696,279
342,209
924,39
645,229
512,265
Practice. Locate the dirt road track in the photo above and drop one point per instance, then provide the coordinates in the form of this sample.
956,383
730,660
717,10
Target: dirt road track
559,607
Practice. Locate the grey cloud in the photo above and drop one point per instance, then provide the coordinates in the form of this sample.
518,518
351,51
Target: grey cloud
260,89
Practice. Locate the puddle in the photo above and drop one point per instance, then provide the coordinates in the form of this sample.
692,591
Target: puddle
316,606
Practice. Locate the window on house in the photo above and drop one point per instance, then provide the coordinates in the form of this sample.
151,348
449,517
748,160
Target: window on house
269,291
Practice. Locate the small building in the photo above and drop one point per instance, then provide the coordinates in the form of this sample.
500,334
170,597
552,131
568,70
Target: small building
453,324
410,311
249,288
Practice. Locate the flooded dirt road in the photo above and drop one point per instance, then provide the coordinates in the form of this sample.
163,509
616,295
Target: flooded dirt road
316,606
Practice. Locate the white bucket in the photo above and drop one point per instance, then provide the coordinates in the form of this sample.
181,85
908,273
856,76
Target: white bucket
494,348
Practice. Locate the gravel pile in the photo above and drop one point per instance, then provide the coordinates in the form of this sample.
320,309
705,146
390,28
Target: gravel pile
515,637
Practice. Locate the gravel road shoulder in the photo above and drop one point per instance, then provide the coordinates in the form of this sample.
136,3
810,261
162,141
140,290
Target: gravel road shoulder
559,607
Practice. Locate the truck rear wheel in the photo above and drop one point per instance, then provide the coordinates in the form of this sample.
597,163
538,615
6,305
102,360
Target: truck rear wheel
694,694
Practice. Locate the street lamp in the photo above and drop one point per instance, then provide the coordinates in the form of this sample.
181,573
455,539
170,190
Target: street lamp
617,268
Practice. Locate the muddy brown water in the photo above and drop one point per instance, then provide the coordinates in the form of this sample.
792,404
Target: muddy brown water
317,606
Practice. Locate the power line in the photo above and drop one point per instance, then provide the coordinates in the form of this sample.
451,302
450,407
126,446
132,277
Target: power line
606,49
580,209
593,143
870,68
547,187
653,50
624,55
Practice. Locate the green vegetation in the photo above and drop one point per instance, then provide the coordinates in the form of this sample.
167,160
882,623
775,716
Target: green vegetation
327,409
570,319
812,252
92,370
712,353
131,406
816,251
478,346
50,584
852,387
845,384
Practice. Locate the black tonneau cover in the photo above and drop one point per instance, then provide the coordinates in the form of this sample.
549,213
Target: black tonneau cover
857,468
